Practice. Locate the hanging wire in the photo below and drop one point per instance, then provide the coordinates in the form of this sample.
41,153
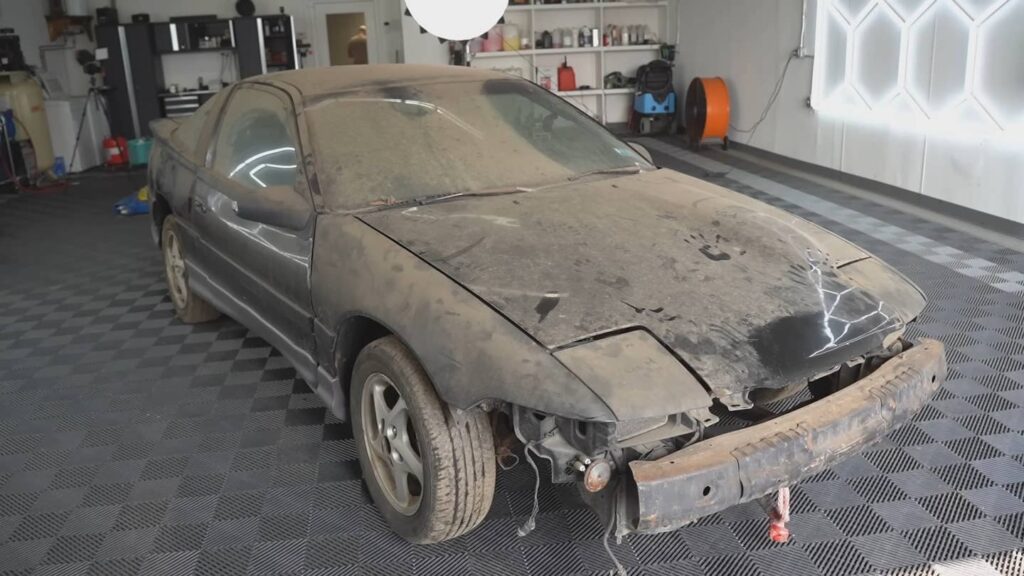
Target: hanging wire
531,522
771,101
619,570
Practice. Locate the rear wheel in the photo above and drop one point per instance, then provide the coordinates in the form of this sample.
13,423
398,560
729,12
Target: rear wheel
429,470
190,308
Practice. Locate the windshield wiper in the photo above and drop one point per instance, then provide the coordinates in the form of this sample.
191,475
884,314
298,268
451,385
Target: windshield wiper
619,170
490,192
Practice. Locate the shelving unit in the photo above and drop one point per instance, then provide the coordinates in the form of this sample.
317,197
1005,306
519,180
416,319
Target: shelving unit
273,40
184,36
585,50
583,6
591,63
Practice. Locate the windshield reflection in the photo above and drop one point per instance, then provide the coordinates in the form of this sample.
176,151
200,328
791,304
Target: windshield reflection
286,152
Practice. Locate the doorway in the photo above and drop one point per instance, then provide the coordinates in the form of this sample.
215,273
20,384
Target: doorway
346,39
345,32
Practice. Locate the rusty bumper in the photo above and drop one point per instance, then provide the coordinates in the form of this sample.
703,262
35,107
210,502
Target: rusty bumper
744,465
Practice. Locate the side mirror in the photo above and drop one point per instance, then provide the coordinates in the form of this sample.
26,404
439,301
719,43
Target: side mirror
642,151
279,206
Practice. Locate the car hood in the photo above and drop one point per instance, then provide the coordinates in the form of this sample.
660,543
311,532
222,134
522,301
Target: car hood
748,296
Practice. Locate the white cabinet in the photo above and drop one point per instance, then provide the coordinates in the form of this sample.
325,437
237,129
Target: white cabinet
63,116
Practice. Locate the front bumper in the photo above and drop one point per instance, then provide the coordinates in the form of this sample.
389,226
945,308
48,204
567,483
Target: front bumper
747,464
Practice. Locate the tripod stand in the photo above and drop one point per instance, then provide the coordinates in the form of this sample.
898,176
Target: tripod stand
93,96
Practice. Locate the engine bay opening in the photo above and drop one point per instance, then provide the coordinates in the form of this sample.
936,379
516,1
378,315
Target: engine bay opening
570,446
769,403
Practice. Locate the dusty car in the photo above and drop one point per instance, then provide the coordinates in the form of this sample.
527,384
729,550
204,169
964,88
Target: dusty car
446,252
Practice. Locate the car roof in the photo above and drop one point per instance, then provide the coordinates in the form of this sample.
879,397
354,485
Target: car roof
315,82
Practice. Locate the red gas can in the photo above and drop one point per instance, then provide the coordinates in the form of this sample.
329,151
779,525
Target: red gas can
566,77
116,150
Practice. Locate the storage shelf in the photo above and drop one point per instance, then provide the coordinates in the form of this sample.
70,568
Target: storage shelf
580,93
585,6
584,50
591,63
632,48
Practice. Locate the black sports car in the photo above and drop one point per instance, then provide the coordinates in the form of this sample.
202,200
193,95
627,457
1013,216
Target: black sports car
447,253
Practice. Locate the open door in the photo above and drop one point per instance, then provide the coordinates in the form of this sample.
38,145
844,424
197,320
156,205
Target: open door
346,33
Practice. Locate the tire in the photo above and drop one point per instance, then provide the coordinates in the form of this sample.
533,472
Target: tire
189,307
456,451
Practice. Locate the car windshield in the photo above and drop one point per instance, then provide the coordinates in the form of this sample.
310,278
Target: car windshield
392,145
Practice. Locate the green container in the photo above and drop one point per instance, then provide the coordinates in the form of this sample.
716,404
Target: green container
138,151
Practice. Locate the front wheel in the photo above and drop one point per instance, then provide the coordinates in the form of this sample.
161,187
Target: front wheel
429,470
189,307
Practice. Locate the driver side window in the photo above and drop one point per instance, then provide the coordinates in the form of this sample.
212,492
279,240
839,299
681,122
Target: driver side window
257,144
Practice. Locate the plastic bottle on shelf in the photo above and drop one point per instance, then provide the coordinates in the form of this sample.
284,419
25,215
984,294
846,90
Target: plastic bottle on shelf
493,41
510,37
568,38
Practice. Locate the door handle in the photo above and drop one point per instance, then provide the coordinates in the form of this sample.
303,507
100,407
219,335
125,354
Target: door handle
198,205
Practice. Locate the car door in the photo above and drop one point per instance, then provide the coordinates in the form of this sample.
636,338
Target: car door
175,166
257,273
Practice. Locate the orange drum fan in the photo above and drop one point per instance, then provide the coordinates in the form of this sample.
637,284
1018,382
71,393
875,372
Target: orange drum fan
707,111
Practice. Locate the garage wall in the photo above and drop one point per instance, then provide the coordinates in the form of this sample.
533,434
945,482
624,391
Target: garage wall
748,42
421,48
27,17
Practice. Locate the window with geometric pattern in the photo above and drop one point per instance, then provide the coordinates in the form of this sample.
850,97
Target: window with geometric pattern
945,64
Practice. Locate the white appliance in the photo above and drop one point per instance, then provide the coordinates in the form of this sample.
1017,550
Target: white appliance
59,64
63,116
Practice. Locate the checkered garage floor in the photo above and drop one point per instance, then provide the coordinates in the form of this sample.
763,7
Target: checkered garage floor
133,444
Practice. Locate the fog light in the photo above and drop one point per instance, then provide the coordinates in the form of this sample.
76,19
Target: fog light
597,475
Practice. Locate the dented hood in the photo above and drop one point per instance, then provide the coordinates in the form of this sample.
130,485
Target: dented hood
747,295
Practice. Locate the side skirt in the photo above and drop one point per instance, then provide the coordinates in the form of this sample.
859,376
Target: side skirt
206,288
328,388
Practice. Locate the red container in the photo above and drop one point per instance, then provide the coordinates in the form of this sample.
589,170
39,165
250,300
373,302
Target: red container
566,77
116,150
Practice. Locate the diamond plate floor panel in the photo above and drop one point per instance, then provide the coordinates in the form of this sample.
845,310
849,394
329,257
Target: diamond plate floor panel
133,444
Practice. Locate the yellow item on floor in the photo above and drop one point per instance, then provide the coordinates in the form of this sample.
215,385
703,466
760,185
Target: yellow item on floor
137,203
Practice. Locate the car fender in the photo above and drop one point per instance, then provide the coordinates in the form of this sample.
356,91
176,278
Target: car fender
471,353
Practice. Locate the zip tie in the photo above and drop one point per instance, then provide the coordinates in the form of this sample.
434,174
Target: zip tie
777,530
531,522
